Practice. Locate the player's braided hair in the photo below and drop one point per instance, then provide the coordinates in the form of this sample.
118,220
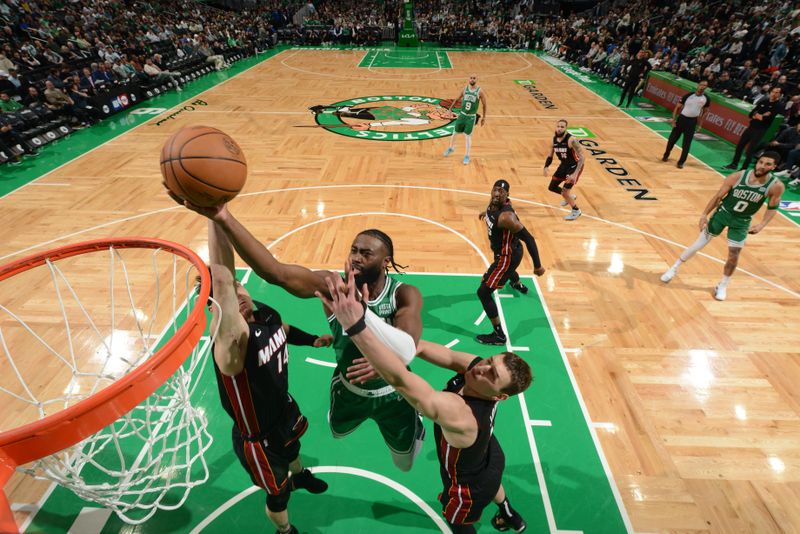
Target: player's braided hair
387,242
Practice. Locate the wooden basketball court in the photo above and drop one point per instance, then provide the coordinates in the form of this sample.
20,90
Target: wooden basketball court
694,402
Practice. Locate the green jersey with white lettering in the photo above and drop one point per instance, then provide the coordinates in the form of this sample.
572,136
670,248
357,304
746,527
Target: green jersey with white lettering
384,306
469,101
745,199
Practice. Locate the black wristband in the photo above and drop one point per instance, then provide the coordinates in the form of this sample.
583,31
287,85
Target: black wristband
548,161
300,337
359,325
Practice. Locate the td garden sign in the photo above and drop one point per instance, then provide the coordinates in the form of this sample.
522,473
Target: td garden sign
387,118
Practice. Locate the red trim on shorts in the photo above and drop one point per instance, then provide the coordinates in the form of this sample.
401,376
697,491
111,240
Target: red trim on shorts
503,261
299,433
259,466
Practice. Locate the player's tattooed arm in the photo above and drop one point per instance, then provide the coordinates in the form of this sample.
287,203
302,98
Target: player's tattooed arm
579,155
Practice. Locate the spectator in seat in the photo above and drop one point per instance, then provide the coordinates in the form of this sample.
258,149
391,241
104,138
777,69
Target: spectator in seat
87,82
63,104
160,76
5,84
7,103
724,85
102,79
5,63
205,50
81,101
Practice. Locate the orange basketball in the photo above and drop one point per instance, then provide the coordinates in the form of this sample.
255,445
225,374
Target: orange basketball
203,165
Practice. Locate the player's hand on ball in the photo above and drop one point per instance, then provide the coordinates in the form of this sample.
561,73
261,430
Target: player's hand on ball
215,213
361,371
323,341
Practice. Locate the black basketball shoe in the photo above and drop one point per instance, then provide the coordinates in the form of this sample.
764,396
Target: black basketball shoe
491,339
519,286
513,522
306,480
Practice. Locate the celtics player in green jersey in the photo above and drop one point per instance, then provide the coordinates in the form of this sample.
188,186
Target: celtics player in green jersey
740,197
465,122
357,393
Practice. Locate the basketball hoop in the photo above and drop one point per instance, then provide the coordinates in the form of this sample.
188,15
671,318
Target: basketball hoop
137,402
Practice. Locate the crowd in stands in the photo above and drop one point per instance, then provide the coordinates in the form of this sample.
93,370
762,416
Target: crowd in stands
56,55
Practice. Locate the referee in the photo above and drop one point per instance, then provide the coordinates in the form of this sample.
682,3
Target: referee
692,109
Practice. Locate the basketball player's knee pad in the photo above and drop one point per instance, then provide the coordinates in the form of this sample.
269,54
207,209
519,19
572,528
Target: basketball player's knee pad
554,187
278,503
568,185
485,296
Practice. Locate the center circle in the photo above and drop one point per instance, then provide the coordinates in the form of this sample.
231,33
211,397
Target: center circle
387,118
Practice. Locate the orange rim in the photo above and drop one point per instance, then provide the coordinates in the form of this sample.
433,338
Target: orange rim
69,426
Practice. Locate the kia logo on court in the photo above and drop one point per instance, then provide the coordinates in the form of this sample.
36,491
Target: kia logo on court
387,118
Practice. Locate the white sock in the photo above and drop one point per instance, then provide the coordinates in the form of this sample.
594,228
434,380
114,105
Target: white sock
724,281
677,264
469,143
703,239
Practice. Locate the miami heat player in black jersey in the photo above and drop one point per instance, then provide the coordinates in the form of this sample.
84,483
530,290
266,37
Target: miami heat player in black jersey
251,365
471,476
268,423
570,166
506,235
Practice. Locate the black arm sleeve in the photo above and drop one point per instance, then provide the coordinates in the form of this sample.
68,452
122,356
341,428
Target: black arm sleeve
300,337
530,244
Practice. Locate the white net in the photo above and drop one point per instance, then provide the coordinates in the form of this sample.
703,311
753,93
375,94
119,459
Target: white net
66,332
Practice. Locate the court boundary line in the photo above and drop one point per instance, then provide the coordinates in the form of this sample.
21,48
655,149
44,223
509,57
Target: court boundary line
345,470
520,55
585,411
631,117
180,104
401,186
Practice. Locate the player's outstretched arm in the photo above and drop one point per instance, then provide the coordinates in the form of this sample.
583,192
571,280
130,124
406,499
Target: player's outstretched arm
442,356
409,306
444,408
230,345
296,279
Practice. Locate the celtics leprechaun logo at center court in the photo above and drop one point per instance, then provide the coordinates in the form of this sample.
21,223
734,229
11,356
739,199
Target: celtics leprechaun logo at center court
387,118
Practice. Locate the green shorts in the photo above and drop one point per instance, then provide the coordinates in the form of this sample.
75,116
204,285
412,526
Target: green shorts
398,421
465,124
737,227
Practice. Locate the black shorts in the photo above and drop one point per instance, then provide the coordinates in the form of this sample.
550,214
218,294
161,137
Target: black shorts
463,503
564,170
501,268
267,460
